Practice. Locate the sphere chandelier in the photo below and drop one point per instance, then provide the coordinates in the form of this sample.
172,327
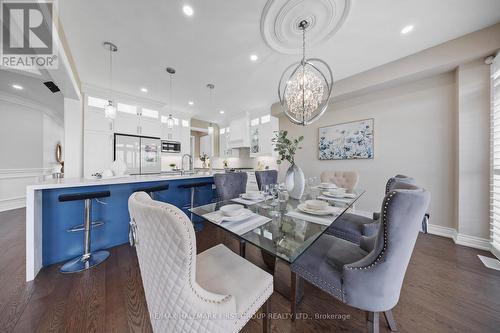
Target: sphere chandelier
304,90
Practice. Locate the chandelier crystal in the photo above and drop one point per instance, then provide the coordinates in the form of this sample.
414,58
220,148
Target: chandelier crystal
304,91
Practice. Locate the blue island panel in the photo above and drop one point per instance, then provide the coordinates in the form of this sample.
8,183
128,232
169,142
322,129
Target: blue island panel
60,245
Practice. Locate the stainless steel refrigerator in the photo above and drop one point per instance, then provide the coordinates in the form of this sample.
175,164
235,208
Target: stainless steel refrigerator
141,154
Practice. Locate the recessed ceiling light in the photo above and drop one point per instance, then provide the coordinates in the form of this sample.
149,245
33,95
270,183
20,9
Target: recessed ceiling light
254,57
221,111
18,87
144,90
407,29
188,10
191,103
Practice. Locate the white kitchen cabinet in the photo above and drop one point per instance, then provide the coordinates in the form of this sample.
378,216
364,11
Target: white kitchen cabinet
262,132
127,123
185,136
150,127
239,136
98,151
224,150
96,121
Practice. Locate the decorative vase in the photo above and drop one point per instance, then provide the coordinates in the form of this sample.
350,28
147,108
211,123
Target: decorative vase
295,181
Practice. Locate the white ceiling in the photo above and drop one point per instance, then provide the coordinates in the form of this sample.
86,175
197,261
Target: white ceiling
214,45
33,89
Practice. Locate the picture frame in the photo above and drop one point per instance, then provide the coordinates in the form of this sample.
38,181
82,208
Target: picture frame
347,141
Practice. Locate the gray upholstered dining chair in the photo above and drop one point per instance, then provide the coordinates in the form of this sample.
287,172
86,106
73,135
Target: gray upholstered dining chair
369,279
353,227
230,185
266,177
214,291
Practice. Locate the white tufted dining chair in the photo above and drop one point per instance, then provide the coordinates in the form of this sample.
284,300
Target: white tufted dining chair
214,291
346,179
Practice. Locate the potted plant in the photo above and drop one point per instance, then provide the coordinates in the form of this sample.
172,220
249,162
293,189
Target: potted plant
286,148
204,160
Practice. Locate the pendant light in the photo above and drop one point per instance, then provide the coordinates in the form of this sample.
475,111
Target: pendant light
170,119
304,89
110,109
211,88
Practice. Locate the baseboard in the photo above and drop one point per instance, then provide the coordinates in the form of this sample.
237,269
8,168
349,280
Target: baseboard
14,203
442,231
460,239
473,241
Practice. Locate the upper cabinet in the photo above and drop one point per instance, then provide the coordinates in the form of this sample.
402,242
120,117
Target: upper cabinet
133,120
224,150
239,136
262,132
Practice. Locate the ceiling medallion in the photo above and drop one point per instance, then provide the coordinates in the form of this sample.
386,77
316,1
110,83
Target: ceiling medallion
280,19
305,87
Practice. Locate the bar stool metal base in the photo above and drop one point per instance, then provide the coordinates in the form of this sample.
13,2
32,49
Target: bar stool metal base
80,264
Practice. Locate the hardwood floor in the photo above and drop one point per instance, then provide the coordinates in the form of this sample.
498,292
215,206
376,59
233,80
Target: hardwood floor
446,289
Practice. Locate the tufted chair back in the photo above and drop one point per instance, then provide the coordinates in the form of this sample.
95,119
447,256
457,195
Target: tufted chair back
346,179
374,282
230,185
166,250
398,179
266,177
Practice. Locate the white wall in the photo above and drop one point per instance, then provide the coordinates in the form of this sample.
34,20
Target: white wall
473,90
28,137
73,137
414,135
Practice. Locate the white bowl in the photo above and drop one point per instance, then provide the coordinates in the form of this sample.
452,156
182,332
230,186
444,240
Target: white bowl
253,194
328,185
316,204
338,190
231,210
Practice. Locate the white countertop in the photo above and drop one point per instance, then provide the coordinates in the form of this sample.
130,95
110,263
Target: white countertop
80,182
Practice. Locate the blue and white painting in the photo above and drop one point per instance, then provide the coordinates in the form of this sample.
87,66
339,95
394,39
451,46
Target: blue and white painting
346,141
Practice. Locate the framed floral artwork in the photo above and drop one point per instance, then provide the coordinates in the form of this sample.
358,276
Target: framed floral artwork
346,141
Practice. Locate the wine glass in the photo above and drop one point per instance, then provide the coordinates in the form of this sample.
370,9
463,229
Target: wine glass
266,191
274,190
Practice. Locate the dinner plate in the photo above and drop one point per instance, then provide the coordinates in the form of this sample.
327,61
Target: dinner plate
260,197
329,211
339,195
245,213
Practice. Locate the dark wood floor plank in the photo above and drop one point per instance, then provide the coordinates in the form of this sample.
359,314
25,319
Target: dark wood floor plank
446,289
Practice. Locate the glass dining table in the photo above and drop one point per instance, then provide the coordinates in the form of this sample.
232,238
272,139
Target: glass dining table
286,230
283,230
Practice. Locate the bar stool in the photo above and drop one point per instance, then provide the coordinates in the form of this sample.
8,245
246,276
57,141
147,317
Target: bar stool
151,190
88,259
193,187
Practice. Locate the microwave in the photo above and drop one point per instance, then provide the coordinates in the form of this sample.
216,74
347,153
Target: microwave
170,146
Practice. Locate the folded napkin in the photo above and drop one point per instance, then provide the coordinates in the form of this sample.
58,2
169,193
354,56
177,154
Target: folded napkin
238,227
324,220
344,200
247,201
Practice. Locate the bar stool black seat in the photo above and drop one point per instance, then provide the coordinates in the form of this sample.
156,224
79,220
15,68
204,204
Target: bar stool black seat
152,189
193,187
88,259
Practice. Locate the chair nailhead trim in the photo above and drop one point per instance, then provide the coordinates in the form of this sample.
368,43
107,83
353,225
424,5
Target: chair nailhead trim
384,222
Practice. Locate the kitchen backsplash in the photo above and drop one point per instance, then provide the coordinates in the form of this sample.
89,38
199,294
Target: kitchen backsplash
244,161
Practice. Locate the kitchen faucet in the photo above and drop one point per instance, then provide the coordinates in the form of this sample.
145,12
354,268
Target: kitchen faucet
190,159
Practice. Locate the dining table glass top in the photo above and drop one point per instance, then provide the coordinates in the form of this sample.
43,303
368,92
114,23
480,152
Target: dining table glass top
283,230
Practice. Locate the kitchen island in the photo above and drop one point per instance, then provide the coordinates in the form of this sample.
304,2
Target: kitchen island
48,220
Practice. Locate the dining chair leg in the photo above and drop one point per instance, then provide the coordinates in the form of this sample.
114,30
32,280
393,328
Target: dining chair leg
390,321
294,286
373,322
242,248
266,321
